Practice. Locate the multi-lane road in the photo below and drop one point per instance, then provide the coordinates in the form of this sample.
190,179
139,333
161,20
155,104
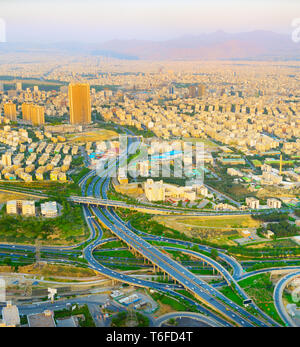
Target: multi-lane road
95,204
200,289
277,296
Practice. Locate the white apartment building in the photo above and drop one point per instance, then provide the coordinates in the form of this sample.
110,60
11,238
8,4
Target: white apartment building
26,207
49,209
252,203
274,203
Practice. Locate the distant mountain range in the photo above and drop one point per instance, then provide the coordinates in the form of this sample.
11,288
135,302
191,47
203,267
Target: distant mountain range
255,45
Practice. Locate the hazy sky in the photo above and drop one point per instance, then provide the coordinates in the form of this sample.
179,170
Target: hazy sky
101,20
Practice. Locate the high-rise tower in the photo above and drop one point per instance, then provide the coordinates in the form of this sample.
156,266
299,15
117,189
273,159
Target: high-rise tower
37,116
80,103
33,113
10,111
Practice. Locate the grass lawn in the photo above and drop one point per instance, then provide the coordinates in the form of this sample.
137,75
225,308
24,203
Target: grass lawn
113,244
260,288
58,270
92,136
220,221
257,163
77,176
123,267
232,295
163,243
220,230
55,189
177,255
265,265
119,254
13,196
69,228
166,300
285,243
287,298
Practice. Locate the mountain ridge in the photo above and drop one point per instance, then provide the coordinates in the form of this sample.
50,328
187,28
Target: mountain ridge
218,45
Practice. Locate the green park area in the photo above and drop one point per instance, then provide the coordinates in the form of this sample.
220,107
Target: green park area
55,189
170,304
113,244
113,253
216,222
256,163
270,264
49,271
179,256
218,230
67,229
260,288
288,299
232,294
280,244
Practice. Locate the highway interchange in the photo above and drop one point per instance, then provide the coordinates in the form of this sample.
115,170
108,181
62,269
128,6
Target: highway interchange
209,300
200,289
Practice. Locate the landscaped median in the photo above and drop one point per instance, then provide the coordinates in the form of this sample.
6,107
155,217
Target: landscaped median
260,288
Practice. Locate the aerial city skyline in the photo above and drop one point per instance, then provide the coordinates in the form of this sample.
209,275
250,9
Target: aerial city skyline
150,167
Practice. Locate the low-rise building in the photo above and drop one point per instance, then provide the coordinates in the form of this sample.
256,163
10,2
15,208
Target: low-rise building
274,203
11,207
44,319
271,178
49,209
252,203
10,315
154,191
224,207
28,208
268,234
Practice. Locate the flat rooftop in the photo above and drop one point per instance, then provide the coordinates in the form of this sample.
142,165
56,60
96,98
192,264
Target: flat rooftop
40,320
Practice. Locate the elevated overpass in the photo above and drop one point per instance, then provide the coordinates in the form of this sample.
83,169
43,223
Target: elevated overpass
88,200
163,263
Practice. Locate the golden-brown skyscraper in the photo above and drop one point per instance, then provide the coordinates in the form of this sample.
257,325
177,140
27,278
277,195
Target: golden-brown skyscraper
10,111
37,115
80,103
201,89
26,111
33,113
